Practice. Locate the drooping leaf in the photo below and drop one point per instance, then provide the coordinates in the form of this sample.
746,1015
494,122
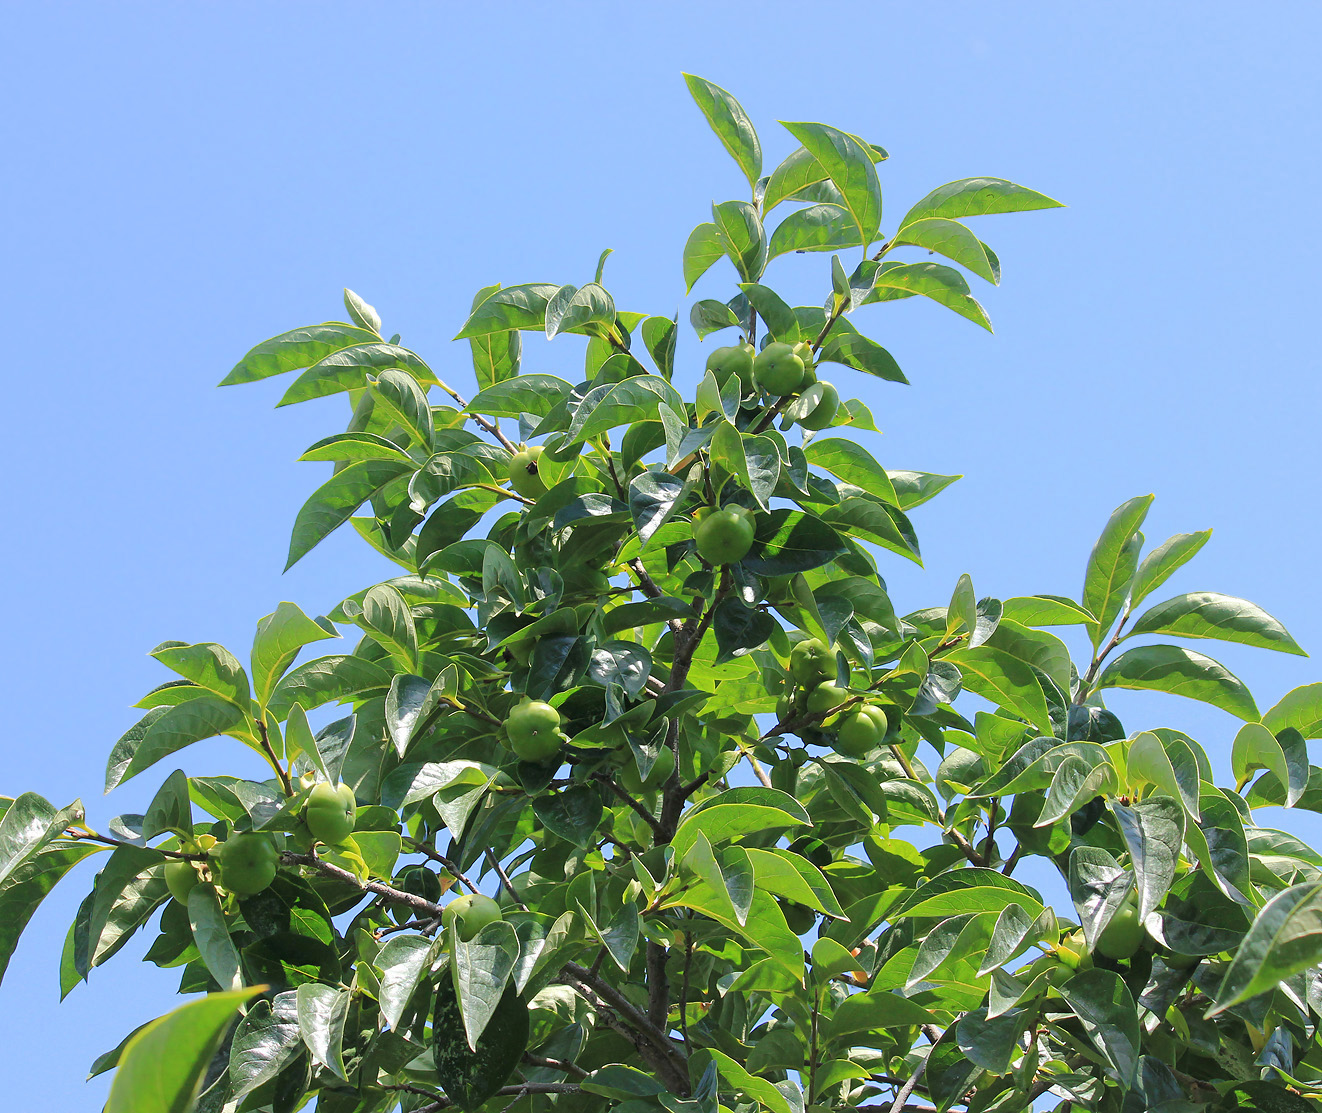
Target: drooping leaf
1286,937
480,969
164,1063
1181,672
816,228
513,307
322,1013
334,502
977,197
1209,614
953,240
944,285
1164,561
301,347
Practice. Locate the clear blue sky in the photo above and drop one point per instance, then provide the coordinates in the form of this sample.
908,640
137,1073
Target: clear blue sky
184,180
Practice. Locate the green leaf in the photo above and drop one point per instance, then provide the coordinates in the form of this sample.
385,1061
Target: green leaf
389,622
531,394
708,316
355,446
790,541
789,875
760,1090
362,314
1160,564
849,165
796,172
659,335
611,404
1153,831
874,1011
862,354
779,317
850,461
965,891
589,310
27,881
1286,938
163,730
754,460
301,347
212,937
1112,565
654,496
324,680
280,636
953,240
704,247
977,197
352,369
322,1013
1255,747
621,1083
816,228
1181,672
730,123
1301,709
266,1041
944,285
472,1076
1046,610
1004,680
739,811
745,240
170,809
209,666
399,395
573,813
334,502
1209,614
480,969
514,307
403,962
164,1063
739,629
1106,1009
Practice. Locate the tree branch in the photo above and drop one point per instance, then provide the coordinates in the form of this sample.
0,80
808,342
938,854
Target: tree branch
398,896
85,835
275,761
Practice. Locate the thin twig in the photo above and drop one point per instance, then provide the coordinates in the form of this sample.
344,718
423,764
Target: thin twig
641,811
398,896
91,836
275,761
439,858
555,1064
490,426
504,878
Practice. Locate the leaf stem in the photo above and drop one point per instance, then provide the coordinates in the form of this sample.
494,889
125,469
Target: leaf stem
270,756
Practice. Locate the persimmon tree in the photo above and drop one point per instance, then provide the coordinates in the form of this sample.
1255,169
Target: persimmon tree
636,791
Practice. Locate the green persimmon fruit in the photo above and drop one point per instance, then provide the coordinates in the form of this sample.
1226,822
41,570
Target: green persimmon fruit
824,698
180,878
725,536
1178,961
734,360
470,914
1123,936
861,732
805,353
533,730
824,412
778,370
523,474
248,863
330,812
812,662
799,917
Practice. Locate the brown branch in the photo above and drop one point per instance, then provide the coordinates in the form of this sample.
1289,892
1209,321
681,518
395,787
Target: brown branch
440,859
92,836
966,848
658,985
504,878
555,1064
275,761
641,811
1013,860
490,426
397,896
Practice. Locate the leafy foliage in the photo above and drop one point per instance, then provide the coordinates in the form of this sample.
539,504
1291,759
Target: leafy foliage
687,782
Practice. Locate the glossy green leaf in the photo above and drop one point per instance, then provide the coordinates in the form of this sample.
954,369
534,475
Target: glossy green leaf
1153,831
739,629
212,937
1046,610
790,541
1286,937
470,1076
322,1013
280,636
301,347
1300,708
1112,565
163,730
164,1063
399,395
949,238
209,666
708,316
659,336
266,1041
1181,672
1105,1008
334,502
654,496
352,369
965,891
745,241
862,354
170,809
26,883
325,680
1164,561
816,228
944,285
849,165
730,123
589,309
754,460
867,1012
613,404
703,249
977,197
740,811
1255,747
779,317
480,969
514,307
851,462
388,621
1209,614
1004,680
